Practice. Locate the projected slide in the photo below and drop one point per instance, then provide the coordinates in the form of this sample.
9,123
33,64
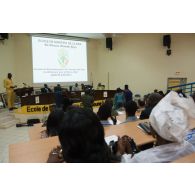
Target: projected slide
58,60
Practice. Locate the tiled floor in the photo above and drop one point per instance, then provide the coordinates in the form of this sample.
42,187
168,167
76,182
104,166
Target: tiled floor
9,136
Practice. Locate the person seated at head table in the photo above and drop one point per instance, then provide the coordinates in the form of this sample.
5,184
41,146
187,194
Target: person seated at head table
82,140
130,109
100,86
119,99
104,113
46,89
76,87
52,124
82,87
151,101
169,131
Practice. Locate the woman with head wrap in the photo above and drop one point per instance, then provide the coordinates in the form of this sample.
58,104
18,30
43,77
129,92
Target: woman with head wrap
170,124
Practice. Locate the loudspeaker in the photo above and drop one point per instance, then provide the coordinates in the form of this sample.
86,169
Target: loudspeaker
4,36
168,52
167,41
109,43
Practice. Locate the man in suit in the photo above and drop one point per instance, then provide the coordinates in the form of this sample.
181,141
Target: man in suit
46,89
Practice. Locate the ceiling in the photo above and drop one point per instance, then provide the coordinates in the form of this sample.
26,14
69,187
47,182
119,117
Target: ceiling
85,35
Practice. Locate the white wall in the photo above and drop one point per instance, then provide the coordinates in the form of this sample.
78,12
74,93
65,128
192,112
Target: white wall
6,59
23,58
139,60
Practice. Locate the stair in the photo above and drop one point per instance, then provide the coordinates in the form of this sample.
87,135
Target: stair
7,120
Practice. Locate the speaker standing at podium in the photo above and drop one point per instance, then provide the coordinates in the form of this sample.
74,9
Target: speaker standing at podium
8,84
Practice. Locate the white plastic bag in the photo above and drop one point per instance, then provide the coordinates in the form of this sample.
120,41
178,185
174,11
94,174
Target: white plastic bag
170,117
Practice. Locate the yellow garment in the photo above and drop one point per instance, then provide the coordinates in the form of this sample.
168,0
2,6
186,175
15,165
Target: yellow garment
8,84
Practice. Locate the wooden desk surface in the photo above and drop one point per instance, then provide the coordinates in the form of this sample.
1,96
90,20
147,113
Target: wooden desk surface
186,159
36,151
131,130
35,131
192,124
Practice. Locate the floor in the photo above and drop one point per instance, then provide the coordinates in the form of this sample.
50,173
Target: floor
9,136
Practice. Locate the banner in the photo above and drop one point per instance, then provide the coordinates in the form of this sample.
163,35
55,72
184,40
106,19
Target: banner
33,109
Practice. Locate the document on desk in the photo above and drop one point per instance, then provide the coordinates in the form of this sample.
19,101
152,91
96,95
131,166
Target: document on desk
111,138
121,112
37,100
117,122
145,127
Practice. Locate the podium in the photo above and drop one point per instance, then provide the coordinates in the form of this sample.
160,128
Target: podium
24,91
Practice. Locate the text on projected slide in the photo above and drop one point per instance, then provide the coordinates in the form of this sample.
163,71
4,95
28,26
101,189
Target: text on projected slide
57,60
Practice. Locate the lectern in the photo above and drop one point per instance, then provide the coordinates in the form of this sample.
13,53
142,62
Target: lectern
24,91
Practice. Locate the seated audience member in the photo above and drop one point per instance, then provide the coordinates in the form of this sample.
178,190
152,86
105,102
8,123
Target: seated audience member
193,96
46,89
53,121
181,93
87,99
128,94
169,131
109,102
167,92
119,99
82,138
151,102
58,95
67,102
104,113
130,109
161,93
141,104
76,87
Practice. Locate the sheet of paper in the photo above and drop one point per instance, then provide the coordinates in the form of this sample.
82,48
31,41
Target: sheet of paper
105,94
37,100
121,112
117,122
111,138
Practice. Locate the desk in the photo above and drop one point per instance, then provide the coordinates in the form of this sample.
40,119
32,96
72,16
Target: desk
35,131
186,159
49,98
131,130
38,150
192,124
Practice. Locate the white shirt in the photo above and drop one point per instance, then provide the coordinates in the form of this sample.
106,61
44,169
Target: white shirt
161,154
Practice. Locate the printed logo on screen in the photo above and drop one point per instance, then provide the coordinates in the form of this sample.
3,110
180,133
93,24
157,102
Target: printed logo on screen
63,58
